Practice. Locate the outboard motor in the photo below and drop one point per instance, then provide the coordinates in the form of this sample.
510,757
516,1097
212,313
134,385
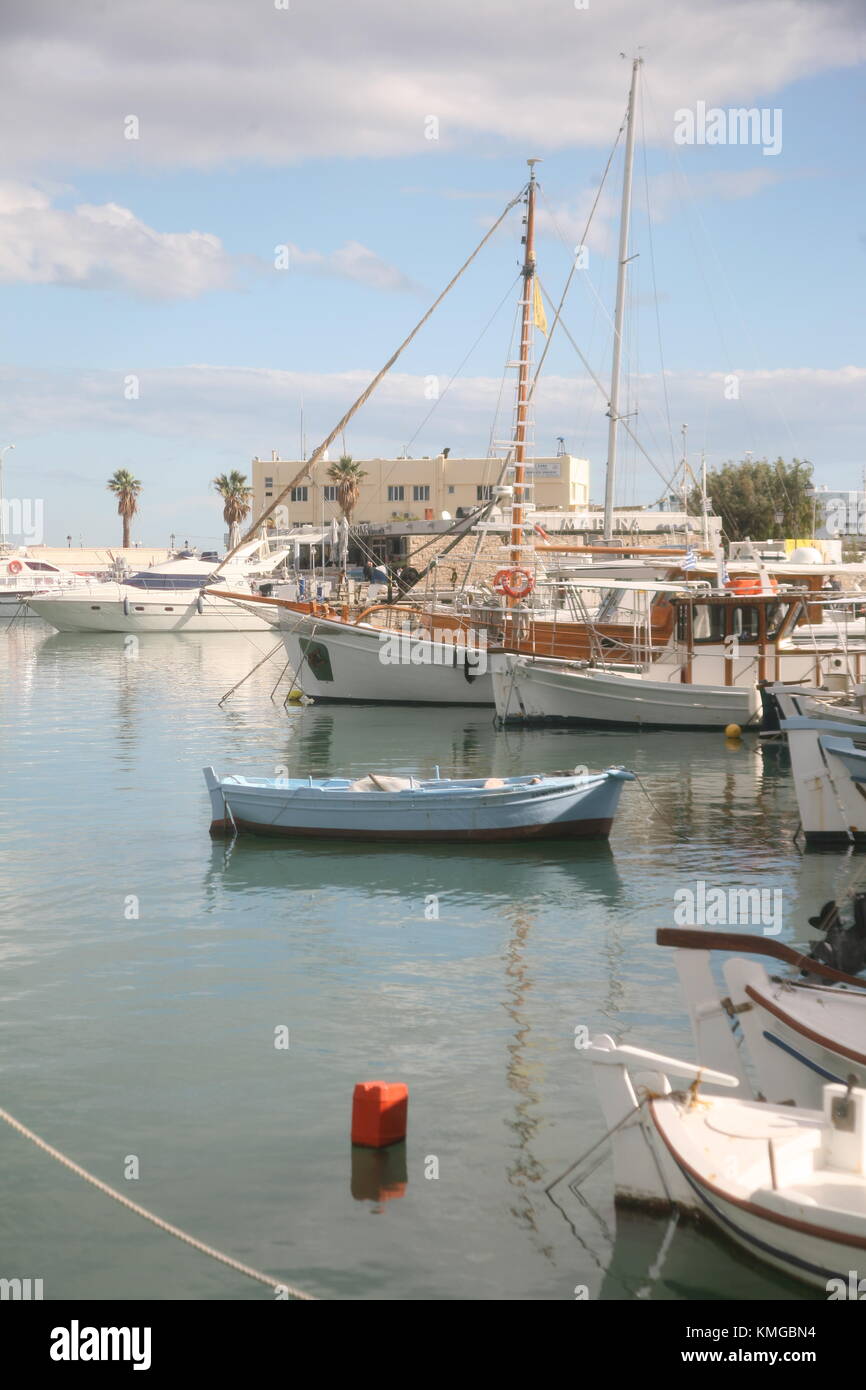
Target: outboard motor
844,944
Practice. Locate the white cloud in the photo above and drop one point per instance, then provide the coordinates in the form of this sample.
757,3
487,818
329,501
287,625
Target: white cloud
104,247
809,412
213,81
108,247
352,262
669,193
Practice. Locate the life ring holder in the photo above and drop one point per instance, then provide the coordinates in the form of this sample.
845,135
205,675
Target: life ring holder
14,567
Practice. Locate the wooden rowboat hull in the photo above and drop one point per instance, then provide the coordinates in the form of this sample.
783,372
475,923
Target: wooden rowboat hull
540,808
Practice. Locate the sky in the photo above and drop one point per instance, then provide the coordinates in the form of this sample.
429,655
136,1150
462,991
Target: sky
214,214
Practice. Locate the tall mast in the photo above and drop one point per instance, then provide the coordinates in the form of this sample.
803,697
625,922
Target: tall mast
524,364
705,525
619,316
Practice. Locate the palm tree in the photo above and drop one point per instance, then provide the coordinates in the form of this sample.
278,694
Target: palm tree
235,492
347,475
126,489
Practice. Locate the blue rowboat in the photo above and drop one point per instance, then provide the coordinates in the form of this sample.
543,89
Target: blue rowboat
380,807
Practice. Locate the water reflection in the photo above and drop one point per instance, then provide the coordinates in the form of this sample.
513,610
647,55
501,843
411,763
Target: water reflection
558,875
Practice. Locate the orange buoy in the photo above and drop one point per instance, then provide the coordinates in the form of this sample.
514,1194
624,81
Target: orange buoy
379,1111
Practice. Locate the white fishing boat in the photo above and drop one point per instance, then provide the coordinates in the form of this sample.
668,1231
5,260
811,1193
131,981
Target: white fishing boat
419,810
539,690
702,670
166,598
786,1184
799,1033
828,761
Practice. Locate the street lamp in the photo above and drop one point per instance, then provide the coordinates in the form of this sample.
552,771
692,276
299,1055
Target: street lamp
3,451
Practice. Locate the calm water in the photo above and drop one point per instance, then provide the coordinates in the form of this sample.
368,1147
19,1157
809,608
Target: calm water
153,1035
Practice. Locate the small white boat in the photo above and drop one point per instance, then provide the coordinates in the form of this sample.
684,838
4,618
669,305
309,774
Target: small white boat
828,760
544,690
786,1184
815,702
799,1034
24,576
380,807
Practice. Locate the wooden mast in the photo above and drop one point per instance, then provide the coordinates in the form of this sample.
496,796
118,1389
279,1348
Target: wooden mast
522,413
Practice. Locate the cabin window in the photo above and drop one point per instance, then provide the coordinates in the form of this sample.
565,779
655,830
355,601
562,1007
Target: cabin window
169,610
708,623
96,607
139,608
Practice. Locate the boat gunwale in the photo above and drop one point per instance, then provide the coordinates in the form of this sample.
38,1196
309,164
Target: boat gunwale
793,1223
803,1029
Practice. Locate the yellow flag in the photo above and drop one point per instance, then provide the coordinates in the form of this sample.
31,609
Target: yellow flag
538,307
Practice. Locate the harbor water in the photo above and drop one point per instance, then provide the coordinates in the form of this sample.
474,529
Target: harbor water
150,974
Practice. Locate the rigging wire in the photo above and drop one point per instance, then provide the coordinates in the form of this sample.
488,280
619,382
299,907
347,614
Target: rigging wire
459,369
667,482
310,464
655,282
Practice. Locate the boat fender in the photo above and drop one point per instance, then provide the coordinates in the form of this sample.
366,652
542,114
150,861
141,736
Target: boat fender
199,607
126,606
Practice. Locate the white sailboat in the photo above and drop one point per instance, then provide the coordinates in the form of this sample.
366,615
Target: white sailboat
786,1184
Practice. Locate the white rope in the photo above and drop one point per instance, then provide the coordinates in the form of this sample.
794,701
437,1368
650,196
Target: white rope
150,1216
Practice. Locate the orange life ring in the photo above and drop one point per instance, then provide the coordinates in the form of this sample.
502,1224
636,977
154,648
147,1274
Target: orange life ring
504,583
750,584
15,567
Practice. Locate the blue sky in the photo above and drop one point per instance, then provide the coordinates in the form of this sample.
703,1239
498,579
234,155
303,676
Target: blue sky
306,128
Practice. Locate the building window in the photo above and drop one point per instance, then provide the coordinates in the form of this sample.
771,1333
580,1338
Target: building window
269,482
420,494
450,487
484,492
299,494
395,493
332,492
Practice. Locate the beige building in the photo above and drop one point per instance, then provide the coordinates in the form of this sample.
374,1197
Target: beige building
414,489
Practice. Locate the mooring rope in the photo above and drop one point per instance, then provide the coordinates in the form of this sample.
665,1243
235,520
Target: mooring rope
155,1220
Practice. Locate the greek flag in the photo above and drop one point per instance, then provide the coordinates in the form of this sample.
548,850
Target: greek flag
690,559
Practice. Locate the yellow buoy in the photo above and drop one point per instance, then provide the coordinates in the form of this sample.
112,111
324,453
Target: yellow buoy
733,731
